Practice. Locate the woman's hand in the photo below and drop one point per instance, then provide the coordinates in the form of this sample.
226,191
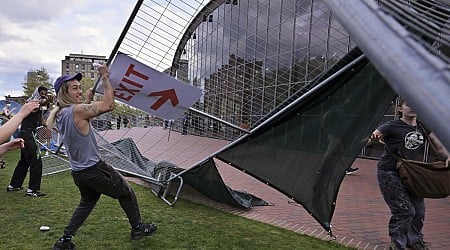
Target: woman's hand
17,143
27,108
11,145
375,137
104,71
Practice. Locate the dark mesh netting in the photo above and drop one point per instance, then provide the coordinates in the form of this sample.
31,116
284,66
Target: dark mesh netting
206,179
126,157
304,153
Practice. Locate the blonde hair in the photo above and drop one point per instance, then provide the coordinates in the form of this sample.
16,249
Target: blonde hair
63,100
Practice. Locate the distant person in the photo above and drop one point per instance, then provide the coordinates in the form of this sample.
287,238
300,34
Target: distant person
3,119
90,173
405,138
9,127
125,122
30,155
118,121
7,111
185,124
334,123
166,124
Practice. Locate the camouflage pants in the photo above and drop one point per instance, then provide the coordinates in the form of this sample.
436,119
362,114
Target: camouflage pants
407,209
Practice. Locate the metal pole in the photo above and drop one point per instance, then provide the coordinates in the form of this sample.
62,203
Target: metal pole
282,111
219,120
119,41
412,71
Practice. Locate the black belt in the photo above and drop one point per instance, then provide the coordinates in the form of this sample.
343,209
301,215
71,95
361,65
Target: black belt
27,129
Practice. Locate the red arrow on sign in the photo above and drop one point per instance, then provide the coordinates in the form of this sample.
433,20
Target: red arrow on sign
168,94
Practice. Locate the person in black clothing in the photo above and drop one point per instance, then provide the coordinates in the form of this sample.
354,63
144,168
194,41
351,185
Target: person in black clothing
30,155
406,138
125,122
186,119
334,123
118,122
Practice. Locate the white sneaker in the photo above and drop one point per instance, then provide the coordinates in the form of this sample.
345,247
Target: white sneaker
351,170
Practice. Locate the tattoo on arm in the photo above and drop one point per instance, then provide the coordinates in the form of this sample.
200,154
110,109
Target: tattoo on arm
105,83
90,108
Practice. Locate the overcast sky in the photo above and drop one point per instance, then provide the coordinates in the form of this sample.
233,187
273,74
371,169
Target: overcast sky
40,33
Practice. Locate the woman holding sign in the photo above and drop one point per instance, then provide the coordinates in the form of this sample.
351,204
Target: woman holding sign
92,175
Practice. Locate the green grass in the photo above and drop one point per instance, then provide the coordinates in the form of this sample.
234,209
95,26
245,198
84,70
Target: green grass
187,225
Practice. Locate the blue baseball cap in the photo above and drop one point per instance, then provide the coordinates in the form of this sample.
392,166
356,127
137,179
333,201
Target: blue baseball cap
65,78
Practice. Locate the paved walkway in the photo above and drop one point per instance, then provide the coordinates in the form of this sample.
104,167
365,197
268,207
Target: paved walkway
361,216
360,219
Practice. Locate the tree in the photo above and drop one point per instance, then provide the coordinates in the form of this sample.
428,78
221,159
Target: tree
124,109
36,78
86,83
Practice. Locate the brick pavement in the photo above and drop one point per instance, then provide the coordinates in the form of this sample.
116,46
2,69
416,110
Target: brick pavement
361,216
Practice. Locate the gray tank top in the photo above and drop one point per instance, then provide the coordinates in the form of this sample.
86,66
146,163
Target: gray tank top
81,149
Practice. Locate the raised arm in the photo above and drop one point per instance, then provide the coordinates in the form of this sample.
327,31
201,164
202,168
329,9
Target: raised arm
93,109
84,112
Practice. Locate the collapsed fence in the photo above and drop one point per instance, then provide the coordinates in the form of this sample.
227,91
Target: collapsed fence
254,61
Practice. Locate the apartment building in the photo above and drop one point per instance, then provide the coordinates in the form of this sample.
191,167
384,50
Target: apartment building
74,63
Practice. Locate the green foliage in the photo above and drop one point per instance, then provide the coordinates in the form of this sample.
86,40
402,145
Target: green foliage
36,78
126,110
87,83
185,226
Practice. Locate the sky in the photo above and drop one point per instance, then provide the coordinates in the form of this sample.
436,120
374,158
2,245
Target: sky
40,33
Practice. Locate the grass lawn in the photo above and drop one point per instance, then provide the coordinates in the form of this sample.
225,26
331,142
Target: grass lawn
187,225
